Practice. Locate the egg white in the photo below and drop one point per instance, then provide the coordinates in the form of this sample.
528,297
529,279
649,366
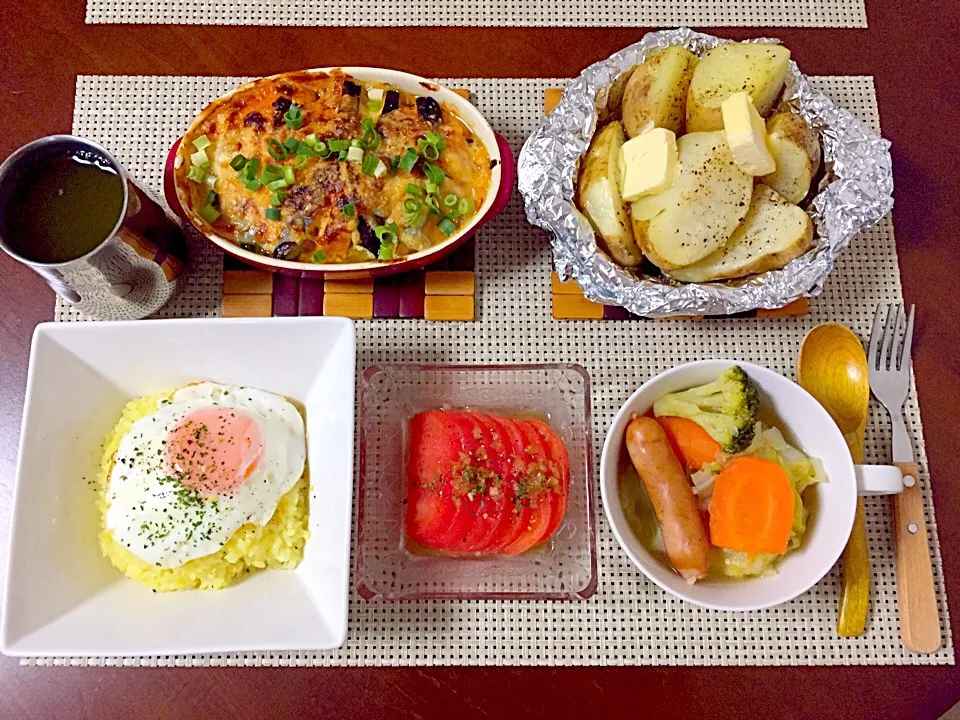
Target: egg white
159,520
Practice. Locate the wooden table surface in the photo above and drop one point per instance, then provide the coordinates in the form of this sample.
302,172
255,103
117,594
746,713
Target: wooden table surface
909,48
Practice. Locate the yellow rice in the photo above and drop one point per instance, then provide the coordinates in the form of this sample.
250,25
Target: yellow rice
278,544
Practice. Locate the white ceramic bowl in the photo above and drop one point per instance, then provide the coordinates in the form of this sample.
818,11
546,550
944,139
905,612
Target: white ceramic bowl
804,422
63,598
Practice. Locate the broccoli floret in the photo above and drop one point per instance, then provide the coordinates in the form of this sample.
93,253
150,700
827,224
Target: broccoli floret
725,408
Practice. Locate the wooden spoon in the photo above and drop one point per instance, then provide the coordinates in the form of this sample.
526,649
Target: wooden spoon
832,367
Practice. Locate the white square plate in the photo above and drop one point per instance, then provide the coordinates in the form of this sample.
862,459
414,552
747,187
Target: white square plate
63,598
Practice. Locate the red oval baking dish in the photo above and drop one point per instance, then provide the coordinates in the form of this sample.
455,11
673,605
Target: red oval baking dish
498,192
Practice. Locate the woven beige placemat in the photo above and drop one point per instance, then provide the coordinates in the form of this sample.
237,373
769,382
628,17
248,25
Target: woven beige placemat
629,621
497,13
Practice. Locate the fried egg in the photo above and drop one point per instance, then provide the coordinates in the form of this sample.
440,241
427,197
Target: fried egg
210,460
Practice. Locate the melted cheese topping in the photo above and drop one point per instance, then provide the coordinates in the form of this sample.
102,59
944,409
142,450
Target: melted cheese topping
333,107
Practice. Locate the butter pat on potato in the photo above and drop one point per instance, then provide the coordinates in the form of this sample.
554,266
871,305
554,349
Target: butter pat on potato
746,135
648,164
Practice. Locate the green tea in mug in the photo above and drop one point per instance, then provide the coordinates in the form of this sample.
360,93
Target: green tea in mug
67,205
70,213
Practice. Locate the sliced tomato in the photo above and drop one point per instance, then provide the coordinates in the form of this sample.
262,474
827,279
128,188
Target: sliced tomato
516,515
560,464
465,509
540,504
438,441
492,504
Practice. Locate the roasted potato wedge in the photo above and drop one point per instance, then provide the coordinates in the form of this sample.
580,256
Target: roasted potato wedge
698,213
611,109
794,171
788,124
773,233
656,94
758,68
599,196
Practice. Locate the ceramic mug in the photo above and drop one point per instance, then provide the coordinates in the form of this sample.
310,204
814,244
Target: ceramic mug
805,424
137,267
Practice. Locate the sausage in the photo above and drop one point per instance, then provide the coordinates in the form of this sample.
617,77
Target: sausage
672,497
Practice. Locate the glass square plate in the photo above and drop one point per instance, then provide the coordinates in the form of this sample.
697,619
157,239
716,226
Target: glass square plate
563,568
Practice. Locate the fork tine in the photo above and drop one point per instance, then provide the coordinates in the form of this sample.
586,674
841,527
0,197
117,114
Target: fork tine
903,362
890,336
876,337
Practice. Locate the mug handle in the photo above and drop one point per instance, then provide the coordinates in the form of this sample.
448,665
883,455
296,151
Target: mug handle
878,479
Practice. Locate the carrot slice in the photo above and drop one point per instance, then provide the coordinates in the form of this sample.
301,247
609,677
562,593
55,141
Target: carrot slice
752,507
692,444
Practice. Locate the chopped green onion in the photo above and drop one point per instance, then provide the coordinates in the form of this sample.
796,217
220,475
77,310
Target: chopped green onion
293,117
202,142
321,149
355,154
447,226
288,175
370,163
408,160
238,162
387,234
291,145
211,181
434,174
433,202
465,206
275,169
355,142
436,139
430,152
212,198
301,162
342,155
380,170
411,212
375,105
197,174
277,184
275,200
252,184
395,162
319,256
450,201
349,210
413,189
199,158
312,140
375,94
307,151
432,188
338,145
370,139
276,150
209,213
268,176
272,213
252,167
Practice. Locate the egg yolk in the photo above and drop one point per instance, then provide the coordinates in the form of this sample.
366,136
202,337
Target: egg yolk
213,450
